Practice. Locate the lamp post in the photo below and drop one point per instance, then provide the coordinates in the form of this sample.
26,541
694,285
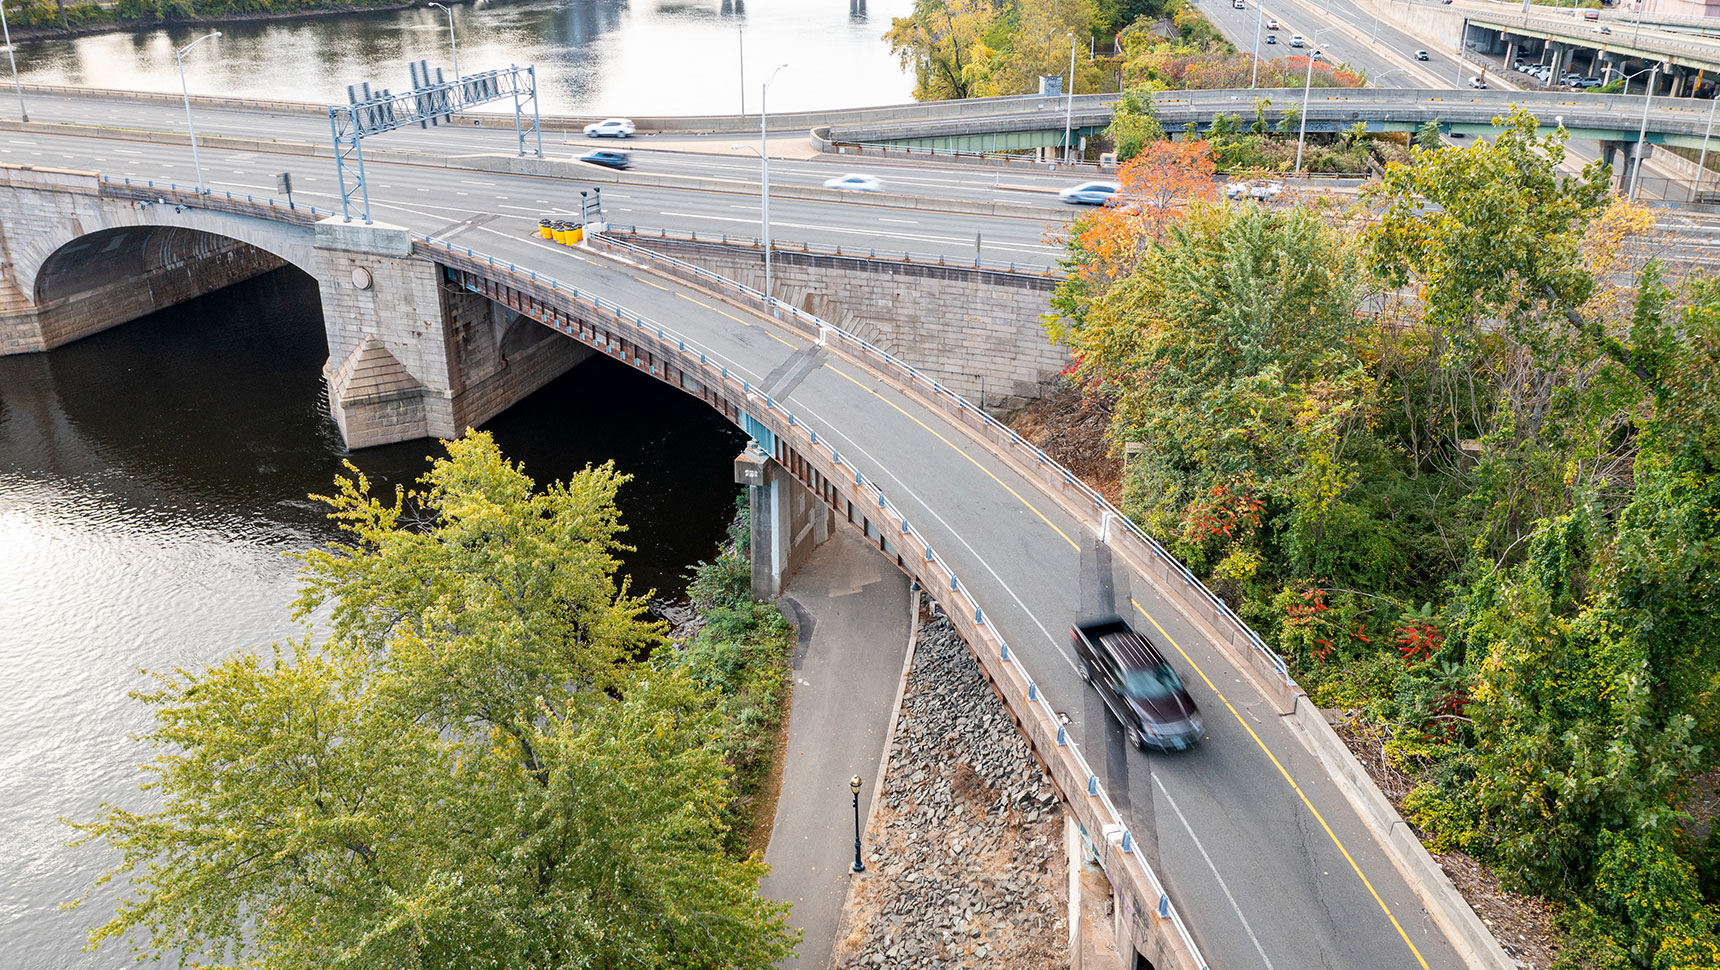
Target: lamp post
22,114
1307,83
741,65
452,43
763,154
1254,74
1702,161
1069,103
1642,133
854,786
179,57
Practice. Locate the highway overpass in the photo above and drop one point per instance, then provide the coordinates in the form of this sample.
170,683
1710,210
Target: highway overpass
1265,836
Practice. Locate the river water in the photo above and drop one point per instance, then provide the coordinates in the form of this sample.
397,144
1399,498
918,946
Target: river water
592,56
152,478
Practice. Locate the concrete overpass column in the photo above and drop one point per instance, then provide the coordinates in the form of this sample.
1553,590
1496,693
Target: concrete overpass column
788,520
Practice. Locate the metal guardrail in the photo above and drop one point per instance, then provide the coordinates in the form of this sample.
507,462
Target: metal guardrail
855,252
716,372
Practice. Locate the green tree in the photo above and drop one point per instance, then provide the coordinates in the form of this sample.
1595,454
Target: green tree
472,771
1133,125
941,41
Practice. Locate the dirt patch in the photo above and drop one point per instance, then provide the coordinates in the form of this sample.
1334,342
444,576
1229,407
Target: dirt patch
1523,925
1077,433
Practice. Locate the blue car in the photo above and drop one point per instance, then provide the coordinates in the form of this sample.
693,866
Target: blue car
1089,193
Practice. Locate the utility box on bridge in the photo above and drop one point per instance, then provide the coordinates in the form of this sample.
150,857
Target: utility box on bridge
1050,85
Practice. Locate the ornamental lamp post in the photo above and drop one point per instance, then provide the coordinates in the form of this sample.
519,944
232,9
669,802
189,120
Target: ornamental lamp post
854,786
179,58
452,42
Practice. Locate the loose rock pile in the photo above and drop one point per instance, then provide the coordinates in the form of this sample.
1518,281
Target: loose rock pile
966,863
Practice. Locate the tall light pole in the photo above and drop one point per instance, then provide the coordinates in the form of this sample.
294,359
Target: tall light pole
763,152
741,65
452,42
1642,133
1702,161
1307,83
179,57
1069,103
22,114
854,786
1254,75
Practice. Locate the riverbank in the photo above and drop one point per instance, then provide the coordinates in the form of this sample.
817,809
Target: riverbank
88,19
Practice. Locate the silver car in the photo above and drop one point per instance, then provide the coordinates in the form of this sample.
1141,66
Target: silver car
1089,193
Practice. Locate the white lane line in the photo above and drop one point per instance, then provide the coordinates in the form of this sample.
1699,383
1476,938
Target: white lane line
126,151
1215,873
829,429
905,222
470,182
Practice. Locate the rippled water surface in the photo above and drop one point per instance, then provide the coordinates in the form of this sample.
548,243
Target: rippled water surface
597,56
152,478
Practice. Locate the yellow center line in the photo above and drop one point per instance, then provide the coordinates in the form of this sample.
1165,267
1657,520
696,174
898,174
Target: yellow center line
707,306
962,453
647,282
1295,787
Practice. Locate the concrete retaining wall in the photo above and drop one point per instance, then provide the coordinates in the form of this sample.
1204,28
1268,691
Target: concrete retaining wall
977,331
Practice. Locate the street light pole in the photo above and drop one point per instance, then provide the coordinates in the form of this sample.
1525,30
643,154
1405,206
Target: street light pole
452,42
764,177
1069,104
1307,83
854,786
1642,133
179,57
1254,75
1702,161
22,114
741,65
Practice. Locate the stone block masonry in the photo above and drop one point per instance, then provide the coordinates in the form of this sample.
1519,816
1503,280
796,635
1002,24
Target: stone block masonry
966,858
977,331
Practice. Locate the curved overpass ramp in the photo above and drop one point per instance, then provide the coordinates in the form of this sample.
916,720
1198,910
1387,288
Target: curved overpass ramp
1264,856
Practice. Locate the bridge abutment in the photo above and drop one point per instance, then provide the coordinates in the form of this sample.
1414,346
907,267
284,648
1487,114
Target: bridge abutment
412,354
788,520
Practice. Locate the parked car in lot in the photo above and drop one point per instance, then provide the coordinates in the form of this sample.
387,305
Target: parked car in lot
609,158
854,182
1089,193
1421,55
609,128
1137,684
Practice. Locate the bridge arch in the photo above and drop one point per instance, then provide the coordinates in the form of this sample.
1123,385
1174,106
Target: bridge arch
129,254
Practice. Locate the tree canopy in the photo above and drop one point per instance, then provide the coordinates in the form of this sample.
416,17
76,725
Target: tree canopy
472,770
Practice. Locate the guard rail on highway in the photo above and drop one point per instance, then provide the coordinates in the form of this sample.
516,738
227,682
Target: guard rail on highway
1074,774
852,252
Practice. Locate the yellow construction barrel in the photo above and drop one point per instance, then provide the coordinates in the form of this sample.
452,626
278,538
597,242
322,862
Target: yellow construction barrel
575,234
546,228
559,233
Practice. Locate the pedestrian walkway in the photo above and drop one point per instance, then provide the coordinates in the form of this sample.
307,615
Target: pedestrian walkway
852,609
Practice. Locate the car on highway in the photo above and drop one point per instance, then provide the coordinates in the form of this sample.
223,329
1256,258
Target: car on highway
1295,40
1318,56
608,158
1136,683
1272,38
1421,55
1272,24
1264,191
1591,15
855,182
1476,82
1089,193
1602,29
609,128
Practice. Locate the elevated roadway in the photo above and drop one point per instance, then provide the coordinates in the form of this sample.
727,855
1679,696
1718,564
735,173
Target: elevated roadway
1262,853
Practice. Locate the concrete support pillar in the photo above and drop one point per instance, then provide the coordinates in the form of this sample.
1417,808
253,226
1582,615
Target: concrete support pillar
1510,51
788,521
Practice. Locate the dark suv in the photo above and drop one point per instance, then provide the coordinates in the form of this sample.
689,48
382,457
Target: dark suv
1137,684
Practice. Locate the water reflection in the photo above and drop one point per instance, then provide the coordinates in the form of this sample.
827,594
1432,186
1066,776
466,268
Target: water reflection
151,478
592,56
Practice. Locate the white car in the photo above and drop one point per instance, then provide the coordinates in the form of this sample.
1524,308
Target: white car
1089,193
856,183
1248,190
609,128
1272,24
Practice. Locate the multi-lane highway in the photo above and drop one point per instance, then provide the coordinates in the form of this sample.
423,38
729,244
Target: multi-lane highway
1262,854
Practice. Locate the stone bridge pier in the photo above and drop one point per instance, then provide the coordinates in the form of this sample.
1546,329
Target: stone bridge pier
412,353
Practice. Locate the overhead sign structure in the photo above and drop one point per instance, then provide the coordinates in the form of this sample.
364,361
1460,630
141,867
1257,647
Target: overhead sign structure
428,103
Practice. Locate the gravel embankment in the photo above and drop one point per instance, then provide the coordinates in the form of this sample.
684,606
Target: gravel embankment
965,854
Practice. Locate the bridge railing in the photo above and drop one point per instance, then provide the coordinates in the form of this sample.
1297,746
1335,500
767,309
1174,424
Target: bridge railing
1073,771
1148,550
162,192
856,252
